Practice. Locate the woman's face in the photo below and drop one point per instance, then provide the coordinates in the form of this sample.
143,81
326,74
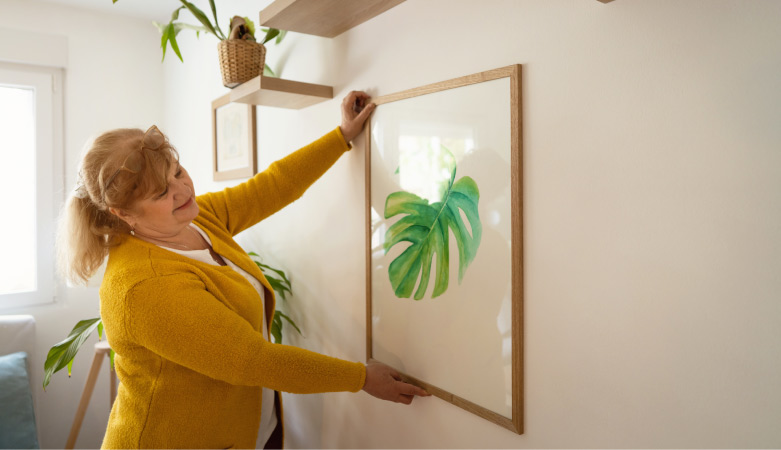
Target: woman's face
168,213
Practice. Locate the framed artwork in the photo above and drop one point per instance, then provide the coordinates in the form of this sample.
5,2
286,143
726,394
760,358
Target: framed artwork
444,241
234,138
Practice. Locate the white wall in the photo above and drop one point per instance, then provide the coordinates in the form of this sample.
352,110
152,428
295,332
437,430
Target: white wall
652,196
113,78
651,202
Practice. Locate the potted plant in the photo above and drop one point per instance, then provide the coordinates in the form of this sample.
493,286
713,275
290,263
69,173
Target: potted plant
241,56
62,354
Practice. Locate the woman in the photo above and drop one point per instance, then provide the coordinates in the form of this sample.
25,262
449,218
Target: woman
186,310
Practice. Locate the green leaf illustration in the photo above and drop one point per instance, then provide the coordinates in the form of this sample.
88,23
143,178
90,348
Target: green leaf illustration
426,227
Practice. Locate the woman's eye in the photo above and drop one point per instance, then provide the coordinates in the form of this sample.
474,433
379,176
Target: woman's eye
179,173
163,194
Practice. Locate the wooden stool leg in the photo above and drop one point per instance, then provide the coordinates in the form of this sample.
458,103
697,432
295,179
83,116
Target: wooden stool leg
89,386
113,388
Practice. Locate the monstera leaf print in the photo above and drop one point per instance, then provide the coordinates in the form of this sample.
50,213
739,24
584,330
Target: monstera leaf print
426,227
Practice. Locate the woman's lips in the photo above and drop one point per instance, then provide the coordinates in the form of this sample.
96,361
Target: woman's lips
186,204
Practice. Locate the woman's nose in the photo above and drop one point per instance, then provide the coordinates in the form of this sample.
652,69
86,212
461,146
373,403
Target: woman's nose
179,188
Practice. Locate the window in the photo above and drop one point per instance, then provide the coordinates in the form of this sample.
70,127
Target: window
29,128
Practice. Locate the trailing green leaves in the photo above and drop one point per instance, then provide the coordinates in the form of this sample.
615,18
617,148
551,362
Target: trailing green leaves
198,14
270,34
175,14
425,226
62,354
214,14
281,285
170,31
169,36
276,326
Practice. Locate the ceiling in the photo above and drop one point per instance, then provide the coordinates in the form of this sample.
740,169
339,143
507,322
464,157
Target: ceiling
159,10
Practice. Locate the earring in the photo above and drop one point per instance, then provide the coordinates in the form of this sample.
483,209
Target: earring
132,231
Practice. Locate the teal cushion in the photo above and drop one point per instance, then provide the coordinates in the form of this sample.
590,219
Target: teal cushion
17,420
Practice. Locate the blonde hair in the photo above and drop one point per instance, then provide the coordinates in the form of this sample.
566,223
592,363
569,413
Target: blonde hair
87,229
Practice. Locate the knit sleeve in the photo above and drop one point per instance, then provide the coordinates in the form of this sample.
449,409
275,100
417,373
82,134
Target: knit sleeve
175,317
286,180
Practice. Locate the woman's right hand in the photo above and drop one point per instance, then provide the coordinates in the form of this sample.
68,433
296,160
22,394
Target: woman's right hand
356,108
385,383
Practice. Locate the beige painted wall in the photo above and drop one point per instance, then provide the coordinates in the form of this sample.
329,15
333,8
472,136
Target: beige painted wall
652,197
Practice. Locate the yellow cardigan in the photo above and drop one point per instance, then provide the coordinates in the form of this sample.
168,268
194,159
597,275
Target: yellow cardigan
190,353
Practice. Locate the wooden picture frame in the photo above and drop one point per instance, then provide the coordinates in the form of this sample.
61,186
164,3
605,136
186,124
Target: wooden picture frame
234,139
396,326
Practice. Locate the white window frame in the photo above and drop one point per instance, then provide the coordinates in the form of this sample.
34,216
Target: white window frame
47,85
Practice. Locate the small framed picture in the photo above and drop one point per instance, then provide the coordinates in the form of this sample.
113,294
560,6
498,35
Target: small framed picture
234,136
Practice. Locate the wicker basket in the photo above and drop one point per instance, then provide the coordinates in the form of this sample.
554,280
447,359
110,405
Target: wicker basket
240,61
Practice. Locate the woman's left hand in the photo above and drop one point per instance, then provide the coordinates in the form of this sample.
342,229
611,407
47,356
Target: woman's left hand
355,110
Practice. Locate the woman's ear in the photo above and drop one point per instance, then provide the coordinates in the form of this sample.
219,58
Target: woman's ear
124,215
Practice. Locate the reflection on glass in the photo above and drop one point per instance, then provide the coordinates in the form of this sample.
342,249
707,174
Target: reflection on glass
422,166
504,326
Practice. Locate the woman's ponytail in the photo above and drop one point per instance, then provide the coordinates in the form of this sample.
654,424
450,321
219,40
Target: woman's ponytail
84,238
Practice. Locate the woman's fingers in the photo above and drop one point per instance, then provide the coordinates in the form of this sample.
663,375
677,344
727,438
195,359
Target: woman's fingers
407,392
405,399
393,373
365,111
354,103
355,111
384,382
411,389
348,102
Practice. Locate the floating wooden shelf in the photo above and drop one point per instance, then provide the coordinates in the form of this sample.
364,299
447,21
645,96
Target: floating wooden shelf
270,91
326,18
